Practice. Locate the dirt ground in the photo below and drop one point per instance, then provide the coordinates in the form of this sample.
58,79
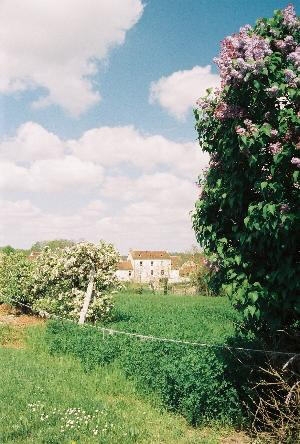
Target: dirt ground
236,438
14,317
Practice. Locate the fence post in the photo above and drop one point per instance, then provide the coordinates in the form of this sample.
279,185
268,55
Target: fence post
87,297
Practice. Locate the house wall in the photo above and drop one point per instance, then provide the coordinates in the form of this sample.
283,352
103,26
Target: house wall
174,277
124,275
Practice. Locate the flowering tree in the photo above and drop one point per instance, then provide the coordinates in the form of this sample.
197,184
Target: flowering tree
247,216
62,276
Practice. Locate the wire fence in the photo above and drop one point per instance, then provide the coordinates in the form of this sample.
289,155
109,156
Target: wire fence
111,331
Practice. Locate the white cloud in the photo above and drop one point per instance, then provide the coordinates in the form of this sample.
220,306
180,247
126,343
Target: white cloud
178,92
50,175
38,161
111,146
57,44
147,209
32,142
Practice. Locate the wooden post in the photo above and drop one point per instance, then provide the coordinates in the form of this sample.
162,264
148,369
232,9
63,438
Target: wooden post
87,298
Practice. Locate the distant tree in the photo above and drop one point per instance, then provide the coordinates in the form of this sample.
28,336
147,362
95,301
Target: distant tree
8,249
54,244
247,218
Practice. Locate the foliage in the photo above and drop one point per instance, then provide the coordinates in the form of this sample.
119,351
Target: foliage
8,249
62,276
200,279
16,276
188,380
55,244
194,254
247,216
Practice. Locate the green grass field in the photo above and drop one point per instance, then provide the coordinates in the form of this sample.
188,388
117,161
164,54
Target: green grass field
52,399
194,318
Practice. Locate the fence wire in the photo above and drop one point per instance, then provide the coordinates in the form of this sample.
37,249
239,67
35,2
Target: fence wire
111,331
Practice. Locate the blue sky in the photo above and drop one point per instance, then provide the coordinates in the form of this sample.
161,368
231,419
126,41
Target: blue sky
97,132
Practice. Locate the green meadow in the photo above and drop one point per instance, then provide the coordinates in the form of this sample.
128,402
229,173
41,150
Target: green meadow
64,384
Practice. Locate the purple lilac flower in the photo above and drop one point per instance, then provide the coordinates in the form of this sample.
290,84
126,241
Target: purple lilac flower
273,133
224,111
286,45
241,53
203,103
296,161
295,57
284,208
252,128
240,131
272,91
290,77
289,17
275,148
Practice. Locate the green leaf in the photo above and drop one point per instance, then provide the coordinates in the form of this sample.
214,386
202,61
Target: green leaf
263,185
252,310
257,85
272,209
296,175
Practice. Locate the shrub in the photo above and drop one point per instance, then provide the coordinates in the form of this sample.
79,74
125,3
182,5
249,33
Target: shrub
16,277
247,217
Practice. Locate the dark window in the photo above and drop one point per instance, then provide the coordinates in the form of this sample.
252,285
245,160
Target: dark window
151,263
162,272
141,263
152,272
129,272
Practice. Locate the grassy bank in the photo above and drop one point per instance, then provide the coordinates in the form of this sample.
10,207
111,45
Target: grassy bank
52,400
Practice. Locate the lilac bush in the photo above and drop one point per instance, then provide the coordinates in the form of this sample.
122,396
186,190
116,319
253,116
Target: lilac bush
247,216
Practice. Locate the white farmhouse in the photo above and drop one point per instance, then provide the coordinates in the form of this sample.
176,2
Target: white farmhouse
148,266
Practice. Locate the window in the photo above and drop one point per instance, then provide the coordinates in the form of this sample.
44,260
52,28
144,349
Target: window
151,263
152,272
129,273
162,272
141,263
